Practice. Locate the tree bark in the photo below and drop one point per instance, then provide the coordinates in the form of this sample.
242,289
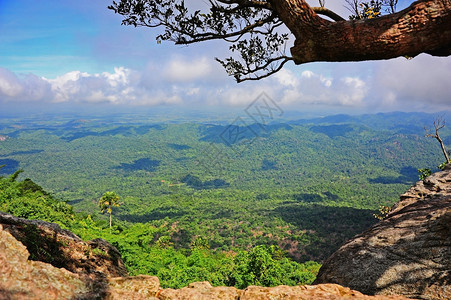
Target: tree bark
443,149
423,27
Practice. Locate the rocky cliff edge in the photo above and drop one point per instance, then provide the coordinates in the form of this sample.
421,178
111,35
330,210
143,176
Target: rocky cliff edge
407,253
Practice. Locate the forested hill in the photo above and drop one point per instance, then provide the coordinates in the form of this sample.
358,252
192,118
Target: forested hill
399,122
305,185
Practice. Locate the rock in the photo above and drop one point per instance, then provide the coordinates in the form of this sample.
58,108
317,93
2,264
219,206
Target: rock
408,253
201,291
204,290
133,287
308,292
47,242
21,278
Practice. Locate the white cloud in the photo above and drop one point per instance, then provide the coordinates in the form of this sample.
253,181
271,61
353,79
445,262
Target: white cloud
120,76
423,82
400,84
26,87
311,88
9,84
66,86
353,92
239,96
286,78
35,88
183,70
193,91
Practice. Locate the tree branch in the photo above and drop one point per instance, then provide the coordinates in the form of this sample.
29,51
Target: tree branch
245,74
439,123
328,13
423,27
250,26
205,36
247,3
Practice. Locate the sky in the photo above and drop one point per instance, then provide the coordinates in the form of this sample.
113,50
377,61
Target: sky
76,54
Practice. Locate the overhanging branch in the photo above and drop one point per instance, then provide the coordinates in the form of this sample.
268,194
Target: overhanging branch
423,27
250,27
328,13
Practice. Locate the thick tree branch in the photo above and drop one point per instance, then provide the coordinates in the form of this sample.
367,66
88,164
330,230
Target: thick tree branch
423,27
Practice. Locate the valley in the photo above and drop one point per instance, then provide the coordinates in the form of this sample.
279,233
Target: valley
304,186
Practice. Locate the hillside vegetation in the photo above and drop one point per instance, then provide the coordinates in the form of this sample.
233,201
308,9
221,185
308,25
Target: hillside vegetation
196,194
147,250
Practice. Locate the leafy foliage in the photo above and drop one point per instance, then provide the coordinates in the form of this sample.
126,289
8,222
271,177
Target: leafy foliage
294,195
28,200
107,201
146,251
442,165
370,9
424,173
383,212
292,186
250,28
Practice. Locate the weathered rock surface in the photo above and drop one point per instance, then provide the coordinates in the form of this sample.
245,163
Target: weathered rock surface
201,291
204,291
408,253
309,292
21,278
133,287
47,242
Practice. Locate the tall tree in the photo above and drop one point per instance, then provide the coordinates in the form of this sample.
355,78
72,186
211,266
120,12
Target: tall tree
258,41
107,201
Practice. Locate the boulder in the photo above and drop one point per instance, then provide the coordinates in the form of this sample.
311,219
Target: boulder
141,287
21,278
408,253
47,242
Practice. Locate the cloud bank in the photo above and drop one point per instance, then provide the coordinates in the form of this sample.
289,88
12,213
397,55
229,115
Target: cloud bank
423,83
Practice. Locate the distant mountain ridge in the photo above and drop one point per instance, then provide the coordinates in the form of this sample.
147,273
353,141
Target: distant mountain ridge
403,122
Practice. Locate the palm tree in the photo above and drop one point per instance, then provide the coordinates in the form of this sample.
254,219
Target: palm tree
107,201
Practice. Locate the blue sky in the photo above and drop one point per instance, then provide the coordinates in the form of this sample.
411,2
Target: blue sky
75,52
